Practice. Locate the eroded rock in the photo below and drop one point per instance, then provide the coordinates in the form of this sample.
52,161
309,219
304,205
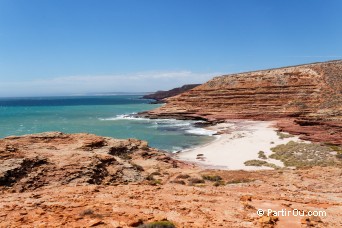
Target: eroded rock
308,97
54,158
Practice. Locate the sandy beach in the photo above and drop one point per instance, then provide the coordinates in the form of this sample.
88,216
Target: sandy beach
238,142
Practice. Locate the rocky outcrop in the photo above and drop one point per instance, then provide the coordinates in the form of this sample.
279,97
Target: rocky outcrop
160,96
83,180
308,96
32,161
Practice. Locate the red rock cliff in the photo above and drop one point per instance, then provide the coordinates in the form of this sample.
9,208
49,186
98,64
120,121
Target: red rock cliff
310,95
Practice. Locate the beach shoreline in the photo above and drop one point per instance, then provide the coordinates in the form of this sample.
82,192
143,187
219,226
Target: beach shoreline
237,142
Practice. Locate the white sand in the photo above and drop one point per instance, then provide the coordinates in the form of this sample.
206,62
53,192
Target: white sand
242,142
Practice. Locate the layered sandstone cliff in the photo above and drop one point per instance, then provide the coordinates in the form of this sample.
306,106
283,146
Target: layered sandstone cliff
310,95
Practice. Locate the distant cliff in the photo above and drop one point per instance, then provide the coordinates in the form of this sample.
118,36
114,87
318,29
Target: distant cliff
305,99
159,96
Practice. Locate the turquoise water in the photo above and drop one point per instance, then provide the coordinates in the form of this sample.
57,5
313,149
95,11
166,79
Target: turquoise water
101,115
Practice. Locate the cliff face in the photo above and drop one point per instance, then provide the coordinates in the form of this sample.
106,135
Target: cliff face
160,96
311,94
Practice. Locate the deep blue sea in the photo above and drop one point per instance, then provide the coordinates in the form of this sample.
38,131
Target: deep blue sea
101,115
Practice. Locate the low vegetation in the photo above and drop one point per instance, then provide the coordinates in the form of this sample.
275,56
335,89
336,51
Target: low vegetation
282,135
178,182
337,149
297,154
212,178
239,181
219,183
194,181
152,180
183,176
158,224
256,162
156,173
155,182
261,155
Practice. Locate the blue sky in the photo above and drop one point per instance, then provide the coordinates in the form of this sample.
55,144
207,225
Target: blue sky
75,46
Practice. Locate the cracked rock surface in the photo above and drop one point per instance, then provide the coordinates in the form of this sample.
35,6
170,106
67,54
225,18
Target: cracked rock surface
83,180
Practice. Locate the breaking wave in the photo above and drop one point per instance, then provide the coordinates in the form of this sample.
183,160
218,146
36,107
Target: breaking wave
201,131
187,126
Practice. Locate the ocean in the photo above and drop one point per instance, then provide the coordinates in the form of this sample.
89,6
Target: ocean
102,115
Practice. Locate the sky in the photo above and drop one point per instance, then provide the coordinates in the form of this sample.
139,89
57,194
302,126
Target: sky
65,47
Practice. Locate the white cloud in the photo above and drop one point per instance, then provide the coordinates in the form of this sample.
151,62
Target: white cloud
136,82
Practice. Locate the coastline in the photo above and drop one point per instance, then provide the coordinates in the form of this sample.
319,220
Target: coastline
238,141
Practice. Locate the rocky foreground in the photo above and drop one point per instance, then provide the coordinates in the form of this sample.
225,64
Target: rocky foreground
305,100
82,180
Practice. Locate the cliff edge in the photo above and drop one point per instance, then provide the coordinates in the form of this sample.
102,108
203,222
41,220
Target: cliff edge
304,99
160,96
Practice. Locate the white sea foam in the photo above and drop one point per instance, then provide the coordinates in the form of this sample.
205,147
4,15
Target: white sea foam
186,125
164,122
201,131
175,124
176,149
123,117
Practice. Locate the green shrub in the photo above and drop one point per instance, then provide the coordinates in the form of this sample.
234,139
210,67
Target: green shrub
255,162
219,183
261,155
336,148
282,135
150,177
156,173
259,163
193,181
212,178
183,176
159,224
155,182
178,182
239,181
304,154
